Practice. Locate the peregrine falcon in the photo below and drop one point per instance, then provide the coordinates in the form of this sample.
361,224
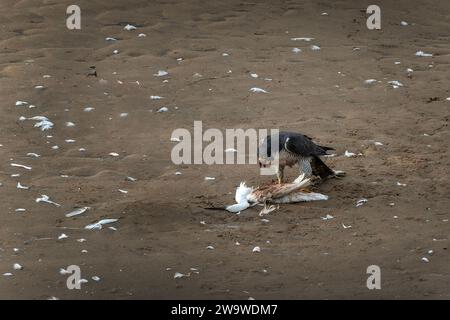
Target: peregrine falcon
295,148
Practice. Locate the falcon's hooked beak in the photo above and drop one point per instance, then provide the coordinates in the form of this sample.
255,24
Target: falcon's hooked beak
264,162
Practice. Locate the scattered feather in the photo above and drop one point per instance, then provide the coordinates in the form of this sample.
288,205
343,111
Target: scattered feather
32,154
19,186
163,109
370,81
130,27
98,225
395,84
20,166
62,236
258,90
17,266
77,212
44,125
178,275
423,54
20,103
161,73
302,39
349,154
361,201
46,199
63,271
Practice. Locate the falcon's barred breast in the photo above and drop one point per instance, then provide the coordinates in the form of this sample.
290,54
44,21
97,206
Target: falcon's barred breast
295,148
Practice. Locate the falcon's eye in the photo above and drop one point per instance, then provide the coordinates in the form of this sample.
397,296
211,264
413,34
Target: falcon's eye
262,165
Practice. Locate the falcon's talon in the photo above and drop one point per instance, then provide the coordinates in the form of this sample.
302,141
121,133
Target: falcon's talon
315,180
280,175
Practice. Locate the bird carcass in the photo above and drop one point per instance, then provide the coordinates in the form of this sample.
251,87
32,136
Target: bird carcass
277,193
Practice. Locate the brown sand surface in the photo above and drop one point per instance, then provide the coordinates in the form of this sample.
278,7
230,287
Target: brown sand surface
162,227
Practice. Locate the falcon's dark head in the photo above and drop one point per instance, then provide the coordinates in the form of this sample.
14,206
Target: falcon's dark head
264,153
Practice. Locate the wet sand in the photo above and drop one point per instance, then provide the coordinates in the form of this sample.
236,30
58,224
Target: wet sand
163,227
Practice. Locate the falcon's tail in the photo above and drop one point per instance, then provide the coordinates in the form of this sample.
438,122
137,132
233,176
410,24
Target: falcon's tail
326,148
320,169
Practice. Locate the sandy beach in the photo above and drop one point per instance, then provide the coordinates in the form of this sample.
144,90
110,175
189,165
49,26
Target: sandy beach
110,150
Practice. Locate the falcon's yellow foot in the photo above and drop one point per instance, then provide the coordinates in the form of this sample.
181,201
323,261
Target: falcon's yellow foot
280,175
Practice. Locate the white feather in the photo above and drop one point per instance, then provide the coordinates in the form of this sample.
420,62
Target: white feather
242,192
238,207
98,225
258,90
